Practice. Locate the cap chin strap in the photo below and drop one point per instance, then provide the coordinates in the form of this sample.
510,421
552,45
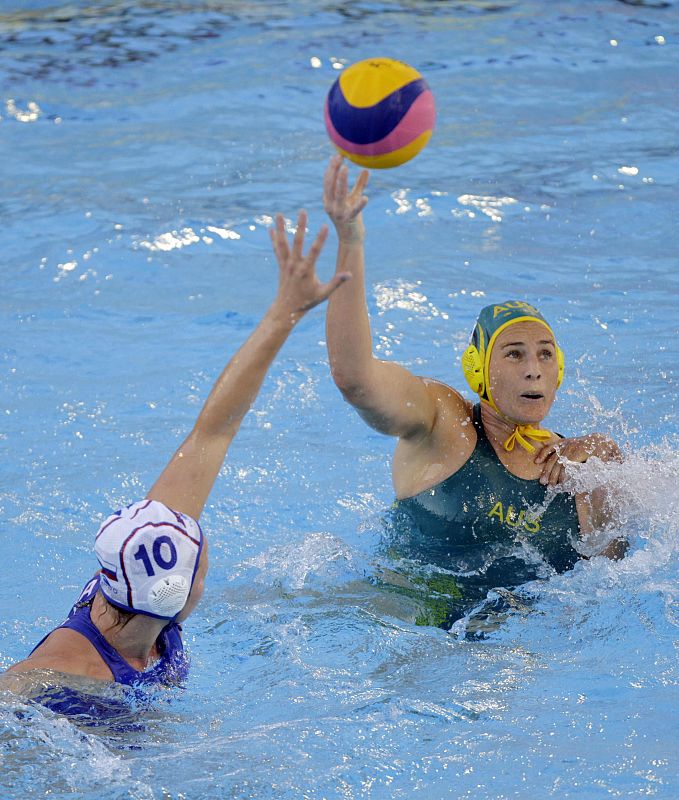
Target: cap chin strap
519,436
521,433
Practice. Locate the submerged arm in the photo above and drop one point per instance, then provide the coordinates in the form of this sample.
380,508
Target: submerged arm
596,514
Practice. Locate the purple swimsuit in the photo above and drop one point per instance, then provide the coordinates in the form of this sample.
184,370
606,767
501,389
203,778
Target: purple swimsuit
171,668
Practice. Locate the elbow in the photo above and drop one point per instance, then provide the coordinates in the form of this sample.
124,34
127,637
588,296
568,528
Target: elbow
350,385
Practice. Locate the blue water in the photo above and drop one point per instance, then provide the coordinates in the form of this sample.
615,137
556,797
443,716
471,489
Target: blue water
145,147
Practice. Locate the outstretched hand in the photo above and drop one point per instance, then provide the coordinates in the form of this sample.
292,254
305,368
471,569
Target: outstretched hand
299,288
342,205
578,449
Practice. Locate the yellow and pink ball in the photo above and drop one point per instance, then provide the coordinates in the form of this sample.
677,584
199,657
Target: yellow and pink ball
380,113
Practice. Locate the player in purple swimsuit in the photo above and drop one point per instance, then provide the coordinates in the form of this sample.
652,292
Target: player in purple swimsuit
126,625
149,557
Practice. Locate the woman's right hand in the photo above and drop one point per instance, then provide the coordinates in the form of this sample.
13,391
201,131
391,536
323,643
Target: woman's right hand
342,205
299,288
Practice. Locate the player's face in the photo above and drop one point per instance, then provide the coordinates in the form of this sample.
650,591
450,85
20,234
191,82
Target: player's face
523,372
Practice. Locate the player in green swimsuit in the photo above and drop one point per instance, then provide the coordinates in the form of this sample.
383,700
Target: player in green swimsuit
471,481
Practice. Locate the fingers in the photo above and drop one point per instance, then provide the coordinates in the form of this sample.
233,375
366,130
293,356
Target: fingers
322,291
554,470
274,243
358,200
359,186
299,288
546,451
340,201
279,239
298,238
317,246
293,259
342,184
547,469
362,203
330,177
580,448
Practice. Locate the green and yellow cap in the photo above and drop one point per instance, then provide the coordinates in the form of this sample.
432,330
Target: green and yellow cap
476,360
491,322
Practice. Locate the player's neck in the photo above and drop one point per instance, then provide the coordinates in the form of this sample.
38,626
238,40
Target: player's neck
499,429
134,640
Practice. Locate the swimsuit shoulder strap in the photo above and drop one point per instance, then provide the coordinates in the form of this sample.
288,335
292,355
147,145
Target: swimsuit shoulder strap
483,446
81,622
478,426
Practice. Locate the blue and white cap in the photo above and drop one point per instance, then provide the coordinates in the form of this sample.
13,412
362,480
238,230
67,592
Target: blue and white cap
149,556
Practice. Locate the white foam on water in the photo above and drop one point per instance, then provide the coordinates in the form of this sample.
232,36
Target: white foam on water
319,559
626,606
56,756
643,497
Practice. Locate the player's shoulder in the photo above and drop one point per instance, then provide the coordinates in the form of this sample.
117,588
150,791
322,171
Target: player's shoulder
66,651
449,399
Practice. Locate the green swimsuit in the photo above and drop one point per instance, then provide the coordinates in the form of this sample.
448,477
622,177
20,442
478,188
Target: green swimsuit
486,528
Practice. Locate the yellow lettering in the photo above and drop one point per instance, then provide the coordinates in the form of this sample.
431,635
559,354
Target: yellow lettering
497,511
511,515
532,524
526,519
513,304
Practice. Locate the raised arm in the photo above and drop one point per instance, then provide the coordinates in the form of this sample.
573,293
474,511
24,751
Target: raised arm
389,398
187,480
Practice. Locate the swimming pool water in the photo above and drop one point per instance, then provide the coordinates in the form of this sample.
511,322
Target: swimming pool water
146,146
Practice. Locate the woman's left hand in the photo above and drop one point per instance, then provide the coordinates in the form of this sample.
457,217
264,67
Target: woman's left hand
577,449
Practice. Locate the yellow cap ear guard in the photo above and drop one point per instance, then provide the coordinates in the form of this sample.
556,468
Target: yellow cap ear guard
561,366
472,361
472,367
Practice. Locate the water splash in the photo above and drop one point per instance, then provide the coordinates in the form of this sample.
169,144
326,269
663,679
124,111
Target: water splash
320,559
54,756
642,492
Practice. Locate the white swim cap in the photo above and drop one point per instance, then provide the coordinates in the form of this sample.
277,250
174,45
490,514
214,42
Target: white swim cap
149,556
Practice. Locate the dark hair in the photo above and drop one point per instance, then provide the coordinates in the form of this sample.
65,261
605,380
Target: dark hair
121,617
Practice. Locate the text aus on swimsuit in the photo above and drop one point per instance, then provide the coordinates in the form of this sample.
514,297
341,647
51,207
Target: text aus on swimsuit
528,520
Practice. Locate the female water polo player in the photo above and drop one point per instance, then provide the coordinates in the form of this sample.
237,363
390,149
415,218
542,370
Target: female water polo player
471,480
125,626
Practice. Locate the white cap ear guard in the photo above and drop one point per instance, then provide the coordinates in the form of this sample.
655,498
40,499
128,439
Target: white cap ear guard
168,596
149,556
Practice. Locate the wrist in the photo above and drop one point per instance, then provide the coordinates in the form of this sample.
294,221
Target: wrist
355,242
282,316
350,233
